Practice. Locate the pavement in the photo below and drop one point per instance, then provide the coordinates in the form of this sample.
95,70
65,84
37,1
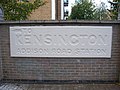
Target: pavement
15,86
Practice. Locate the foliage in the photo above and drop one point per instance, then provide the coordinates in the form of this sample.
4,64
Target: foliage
114,9
86,10
102,13
19,10
83,10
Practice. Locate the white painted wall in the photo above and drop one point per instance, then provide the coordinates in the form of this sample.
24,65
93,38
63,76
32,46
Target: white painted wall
53,10
62,9
69,7
71,3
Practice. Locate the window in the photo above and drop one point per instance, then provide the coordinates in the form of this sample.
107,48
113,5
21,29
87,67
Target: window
66,3
66,13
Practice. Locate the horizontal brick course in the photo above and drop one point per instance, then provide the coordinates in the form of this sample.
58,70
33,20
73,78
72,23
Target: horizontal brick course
60,68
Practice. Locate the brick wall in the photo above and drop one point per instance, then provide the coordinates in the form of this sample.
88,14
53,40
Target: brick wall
67,69
45,12
42,13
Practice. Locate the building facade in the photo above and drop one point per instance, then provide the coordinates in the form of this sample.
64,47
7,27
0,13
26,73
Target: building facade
53,10
66,8
44,12
50,11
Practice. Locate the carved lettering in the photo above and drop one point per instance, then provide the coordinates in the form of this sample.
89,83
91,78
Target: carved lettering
61,51
74,40
27,39
61,41
18,38
47,39
83,39
86,51
92,39
37,40
102,39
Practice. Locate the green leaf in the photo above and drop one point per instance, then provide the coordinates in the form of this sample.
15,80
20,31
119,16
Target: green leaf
14,10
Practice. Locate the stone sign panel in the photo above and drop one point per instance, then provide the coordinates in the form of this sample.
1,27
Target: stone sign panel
61,41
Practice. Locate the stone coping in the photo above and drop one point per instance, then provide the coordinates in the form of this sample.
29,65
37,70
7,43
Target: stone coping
61,22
